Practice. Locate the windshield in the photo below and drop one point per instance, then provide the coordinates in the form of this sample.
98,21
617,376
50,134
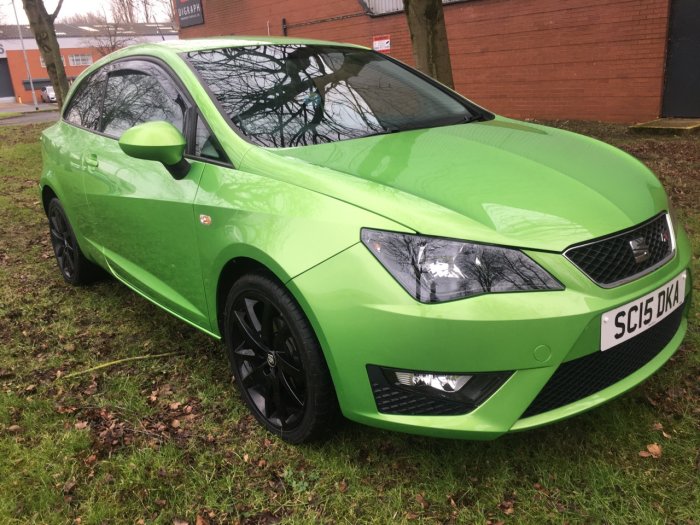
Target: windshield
294,95
49,90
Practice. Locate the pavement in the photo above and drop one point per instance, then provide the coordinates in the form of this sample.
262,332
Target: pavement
14,107
41,113
669,126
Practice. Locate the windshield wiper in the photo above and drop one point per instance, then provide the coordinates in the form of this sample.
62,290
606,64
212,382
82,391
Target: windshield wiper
426,124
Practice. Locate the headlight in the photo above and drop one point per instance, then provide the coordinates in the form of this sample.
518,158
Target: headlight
434,270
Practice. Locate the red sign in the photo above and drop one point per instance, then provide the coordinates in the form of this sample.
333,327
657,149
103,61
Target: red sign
381,43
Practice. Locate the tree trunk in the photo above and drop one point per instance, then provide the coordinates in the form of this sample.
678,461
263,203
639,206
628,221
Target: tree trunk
426,23
42,26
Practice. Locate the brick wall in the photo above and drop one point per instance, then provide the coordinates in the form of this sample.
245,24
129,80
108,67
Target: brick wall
553,59
18,70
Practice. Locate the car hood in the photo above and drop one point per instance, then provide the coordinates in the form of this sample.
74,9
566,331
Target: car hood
500,181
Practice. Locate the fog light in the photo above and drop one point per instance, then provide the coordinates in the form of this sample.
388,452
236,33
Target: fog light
443,383
422,392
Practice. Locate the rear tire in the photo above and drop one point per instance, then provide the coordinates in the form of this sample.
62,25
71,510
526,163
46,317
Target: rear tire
277,361
75,268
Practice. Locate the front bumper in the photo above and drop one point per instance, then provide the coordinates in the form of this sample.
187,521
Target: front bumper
363,317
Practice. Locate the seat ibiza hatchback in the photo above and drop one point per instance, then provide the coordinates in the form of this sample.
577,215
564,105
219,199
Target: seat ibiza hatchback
365,240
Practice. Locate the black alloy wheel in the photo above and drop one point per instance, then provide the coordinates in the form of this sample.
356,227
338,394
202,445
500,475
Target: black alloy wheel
276,360
75,267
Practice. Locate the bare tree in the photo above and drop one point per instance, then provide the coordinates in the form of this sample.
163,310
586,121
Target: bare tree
42,24
167,8
134,11
110,38
426,23
89,18
124,11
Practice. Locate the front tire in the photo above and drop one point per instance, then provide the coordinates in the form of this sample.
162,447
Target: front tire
75,268
277,361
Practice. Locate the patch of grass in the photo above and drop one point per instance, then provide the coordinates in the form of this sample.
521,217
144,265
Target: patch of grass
161,439
9,114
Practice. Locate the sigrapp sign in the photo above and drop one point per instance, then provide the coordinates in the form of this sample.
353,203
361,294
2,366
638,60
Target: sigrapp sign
189,12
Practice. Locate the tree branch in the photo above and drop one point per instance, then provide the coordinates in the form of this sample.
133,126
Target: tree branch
55,13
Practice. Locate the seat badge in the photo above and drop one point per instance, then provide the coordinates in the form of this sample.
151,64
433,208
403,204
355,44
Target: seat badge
205,219
640,249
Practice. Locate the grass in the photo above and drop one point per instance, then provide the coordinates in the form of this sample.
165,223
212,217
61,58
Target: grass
9,114
166,439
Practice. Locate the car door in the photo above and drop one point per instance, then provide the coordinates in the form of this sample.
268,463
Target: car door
142,218
66,151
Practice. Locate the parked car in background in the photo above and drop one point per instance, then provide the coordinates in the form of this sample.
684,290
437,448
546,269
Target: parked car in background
48,94
365,240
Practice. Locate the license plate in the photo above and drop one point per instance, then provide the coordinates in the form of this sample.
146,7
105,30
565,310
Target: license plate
633,318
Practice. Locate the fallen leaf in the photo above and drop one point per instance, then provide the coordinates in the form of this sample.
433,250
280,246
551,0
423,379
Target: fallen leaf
30,388
179,521
68,486
246,457
653,450
81,425
657,426
201,520
14,429
423,502
175,423
343,486
666,434
507,507
90,459
175,406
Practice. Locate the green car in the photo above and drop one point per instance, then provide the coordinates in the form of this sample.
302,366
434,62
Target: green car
364,240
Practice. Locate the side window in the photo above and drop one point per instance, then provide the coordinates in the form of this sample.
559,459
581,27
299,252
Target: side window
135,96
84,108
205,145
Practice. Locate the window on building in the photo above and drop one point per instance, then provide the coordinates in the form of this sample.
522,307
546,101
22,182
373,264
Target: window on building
80,60
382,7
43,63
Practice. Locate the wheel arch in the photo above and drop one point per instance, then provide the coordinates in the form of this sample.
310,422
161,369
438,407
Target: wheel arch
236,267
233,270
47,193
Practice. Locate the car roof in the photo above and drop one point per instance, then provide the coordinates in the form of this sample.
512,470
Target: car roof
199,44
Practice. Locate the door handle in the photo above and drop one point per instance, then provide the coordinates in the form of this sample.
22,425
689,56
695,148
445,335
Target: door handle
91,161
75,162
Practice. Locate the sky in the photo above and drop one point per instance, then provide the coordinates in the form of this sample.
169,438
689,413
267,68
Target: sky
69,7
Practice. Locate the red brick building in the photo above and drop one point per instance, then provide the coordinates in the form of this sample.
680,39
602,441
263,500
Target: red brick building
80,46
611,60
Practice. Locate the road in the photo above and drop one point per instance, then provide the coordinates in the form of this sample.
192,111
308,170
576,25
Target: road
28,118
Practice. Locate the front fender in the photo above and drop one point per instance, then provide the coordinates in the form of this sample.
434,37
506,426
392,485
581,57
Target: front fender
284,227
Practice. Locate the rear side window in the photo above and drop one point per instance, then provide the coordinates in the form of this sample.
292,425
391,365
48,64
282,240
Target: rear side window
135,96
84,108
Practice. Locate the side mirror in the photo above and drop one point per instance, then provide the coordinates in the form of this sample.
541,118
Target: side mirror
159,141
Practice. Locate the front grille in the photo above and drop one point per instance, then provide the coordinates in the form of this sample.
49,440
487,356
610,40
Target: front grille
611,260
587,375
